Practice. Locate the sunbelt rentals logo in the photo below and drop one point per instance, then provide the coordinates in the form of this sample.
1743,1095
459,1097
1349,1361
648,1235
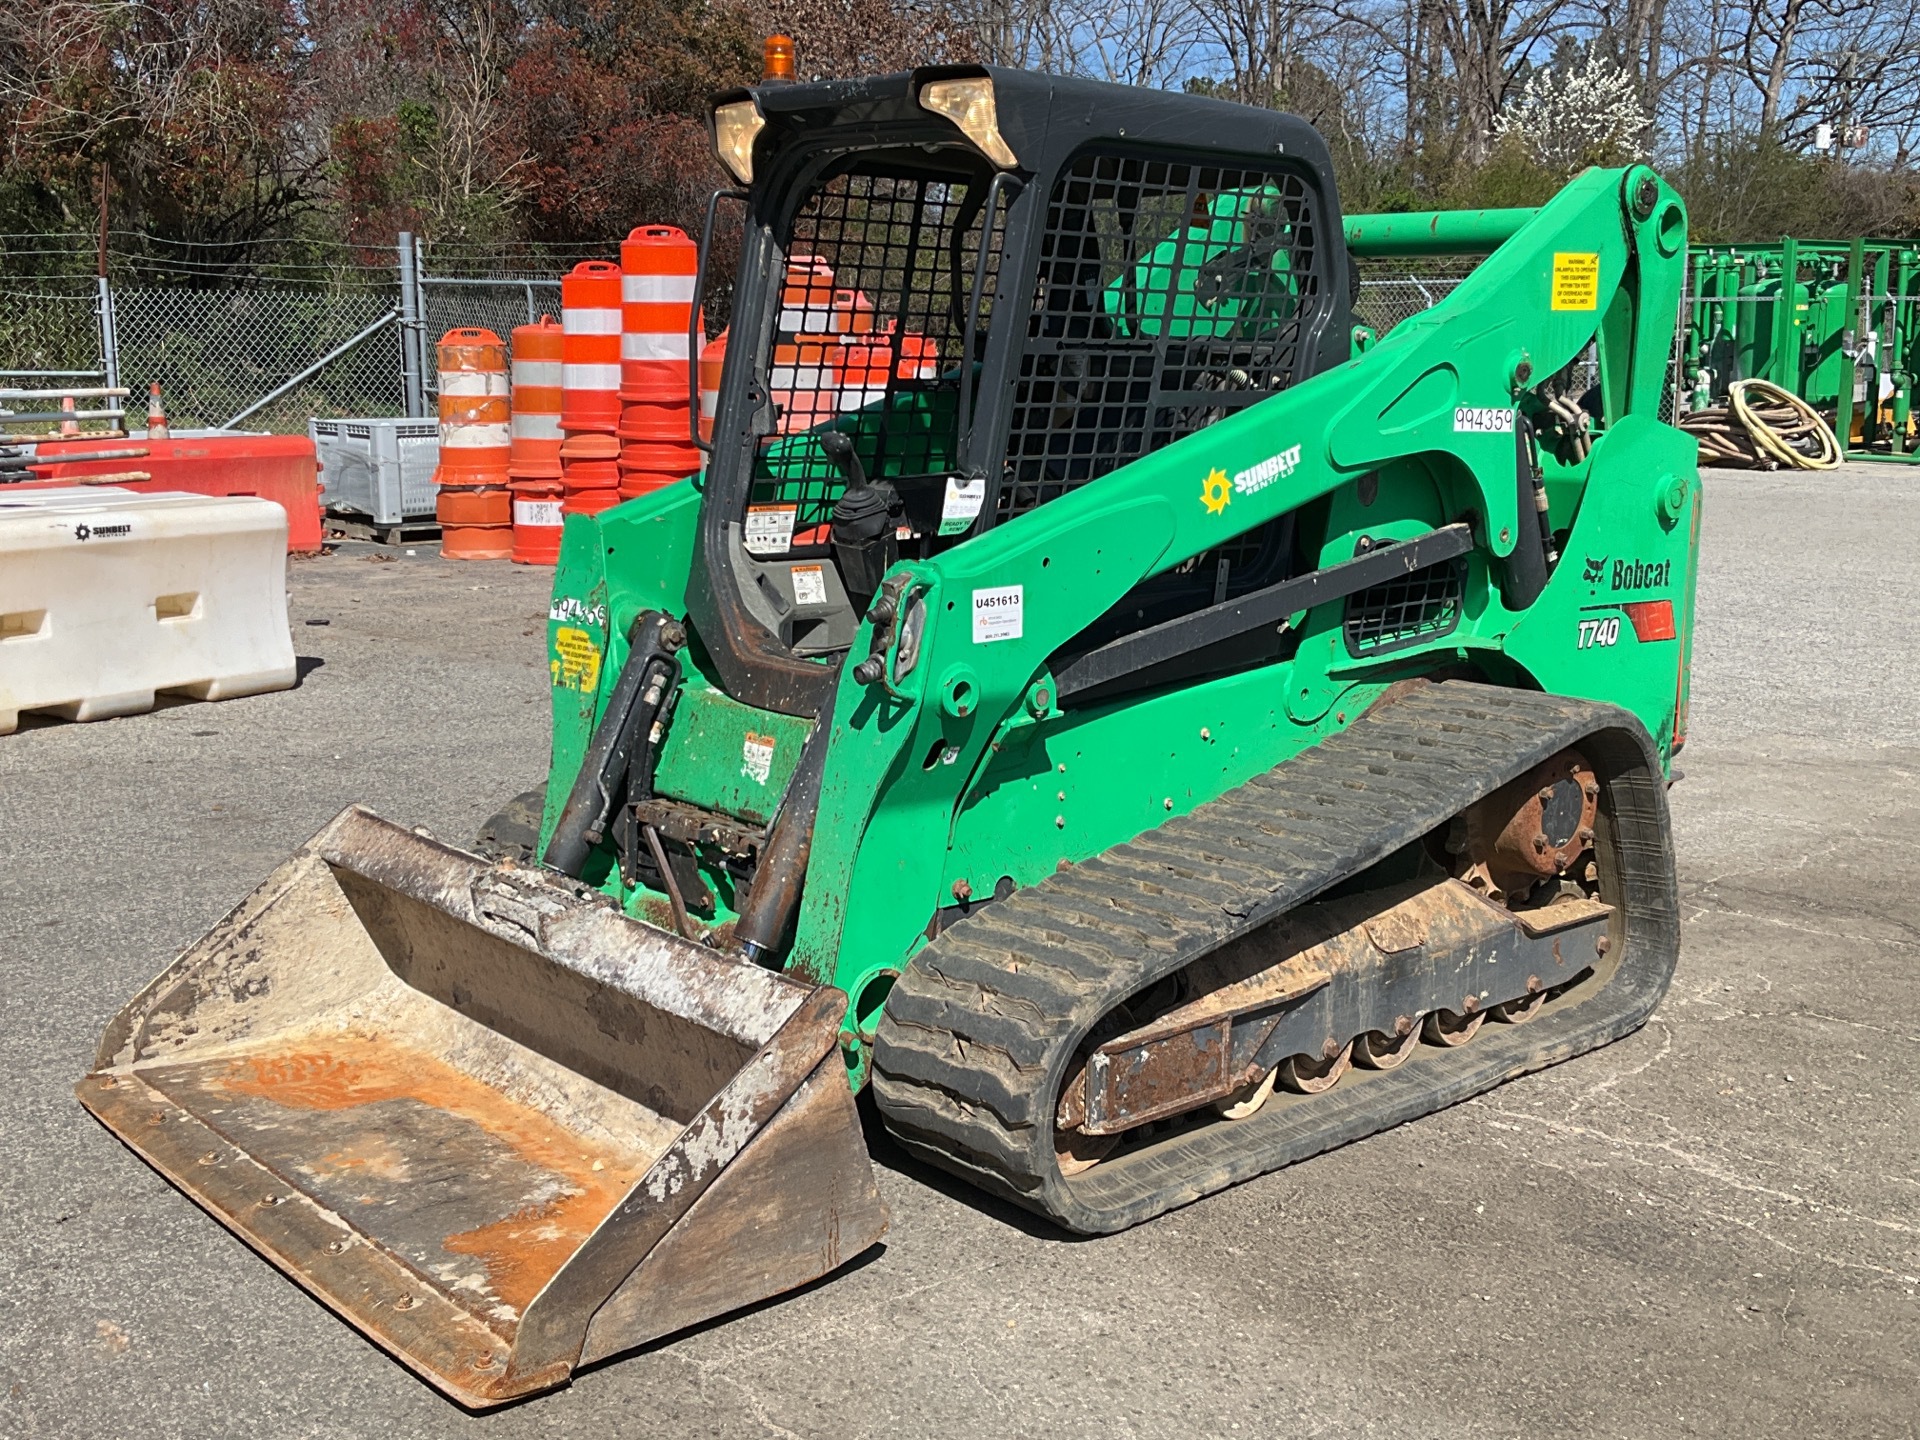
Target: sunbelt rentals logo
1216,490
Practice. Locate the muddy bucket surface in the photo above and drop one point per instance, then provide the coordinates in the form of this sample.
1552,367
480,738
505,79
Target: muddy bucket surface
489,1119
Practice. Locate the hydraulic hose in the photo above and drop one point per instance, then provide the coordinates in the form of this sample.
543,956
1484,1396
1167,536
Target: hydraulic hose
1763,436
782,868
636,699
1771,436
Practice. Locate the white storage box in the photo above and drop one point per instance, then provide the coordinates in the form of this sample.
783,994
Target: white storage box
379,468
108,598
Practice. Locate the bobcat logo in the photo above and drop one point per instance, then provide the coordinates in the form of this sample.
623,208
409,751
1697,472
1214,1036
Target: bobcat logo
1596,570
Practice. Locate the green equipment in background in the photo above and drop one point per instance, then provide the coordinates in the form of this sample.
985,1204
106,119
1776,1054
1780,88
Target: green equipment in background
1836,323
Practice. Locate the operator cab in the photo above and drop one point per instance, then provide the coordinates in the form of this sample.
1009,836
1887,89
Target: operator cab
963,292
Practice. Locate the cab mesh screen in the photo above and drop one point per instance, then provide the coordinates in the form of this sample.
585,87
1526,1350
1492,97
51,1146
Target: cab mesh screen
1169,295
869,329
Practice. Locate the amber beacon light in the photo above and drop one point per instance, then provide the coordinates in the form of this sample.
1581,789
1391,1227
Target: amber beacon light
777,68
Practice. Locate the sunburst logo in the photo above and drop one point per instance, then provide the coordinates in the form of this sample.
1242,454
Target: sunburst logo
1215,491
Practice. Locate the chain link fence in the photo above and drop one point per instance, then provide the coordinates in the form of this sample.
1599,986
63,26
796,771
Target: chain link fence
262,342
496,305
51,323
218,353
1388,296
268,354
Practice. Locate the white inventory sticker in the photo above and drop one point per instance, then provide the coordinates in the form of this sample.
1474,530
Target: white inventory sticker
756,757
1482,420
536,512
809,585
997,613
963,502
769,529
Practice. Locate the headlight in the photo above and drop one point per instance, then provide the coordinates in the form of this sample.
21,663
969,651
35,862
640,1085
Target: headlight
969,104
734,128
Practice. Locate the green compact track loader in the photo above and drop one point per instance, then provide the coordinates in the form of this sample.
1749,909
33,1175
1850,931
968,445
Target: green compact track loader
1099,697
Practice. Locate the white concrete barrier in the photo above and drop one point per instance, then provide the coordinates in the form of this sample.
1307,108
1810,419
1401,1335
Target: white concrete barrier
108,598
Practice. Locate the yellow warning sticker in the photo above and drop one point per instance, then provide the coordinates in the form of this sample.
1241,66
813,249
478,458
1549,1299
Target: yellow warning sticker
576,660
1576,280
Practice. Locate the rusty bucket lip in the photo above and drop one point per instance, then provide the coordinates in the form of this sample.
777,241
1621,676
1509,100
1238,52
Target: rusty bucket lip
789,1027
287,1224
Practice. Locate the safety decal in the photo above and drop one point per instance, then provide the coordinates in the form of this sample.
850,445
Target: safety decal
576,660
1215,491
769,529
809,585
1576,280
756,757
998,613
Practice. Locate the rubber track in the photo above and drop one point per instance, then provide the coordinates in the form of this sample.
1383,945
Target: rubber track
978,1034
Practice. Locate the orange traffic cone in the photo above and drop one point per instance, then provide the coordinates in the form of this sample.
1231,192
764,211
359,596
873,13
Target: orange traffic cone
156,414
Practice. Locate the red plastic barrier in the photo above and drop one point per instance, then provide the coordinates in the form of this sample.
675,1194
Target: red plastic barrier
280,468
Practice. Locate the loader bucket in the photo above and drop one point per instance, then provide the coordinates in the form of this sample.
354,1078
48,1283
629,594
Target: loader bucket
496,1124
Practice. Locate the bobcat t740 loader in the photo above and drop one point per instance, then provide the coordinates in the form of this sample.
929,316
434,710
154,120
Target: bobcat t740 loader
1098,696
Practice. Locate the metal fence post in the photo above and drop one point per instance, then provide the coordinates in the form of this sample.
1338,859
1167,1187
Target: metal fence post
412,346
109,336
428,350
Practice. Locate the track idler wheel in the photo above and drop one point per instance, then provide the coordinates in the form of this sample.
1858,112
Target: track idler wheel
1387,1049
1518,1012
1076,1151
1448,1028
1245,1102
1533,829
1307,1076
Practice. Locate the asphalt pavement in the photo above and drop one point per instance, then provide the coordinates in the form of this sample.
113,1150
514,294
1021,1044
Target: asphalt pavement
1709,1228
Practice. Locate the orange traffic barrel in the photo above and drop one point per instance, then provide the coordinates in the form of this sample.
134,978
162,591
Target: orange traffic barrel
653,421
474,430
645,468
866,361
804,378
590,350
589,502
657,272
919,357
538,363
806,299
852,313
713,359
537,521
590,462
476,523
